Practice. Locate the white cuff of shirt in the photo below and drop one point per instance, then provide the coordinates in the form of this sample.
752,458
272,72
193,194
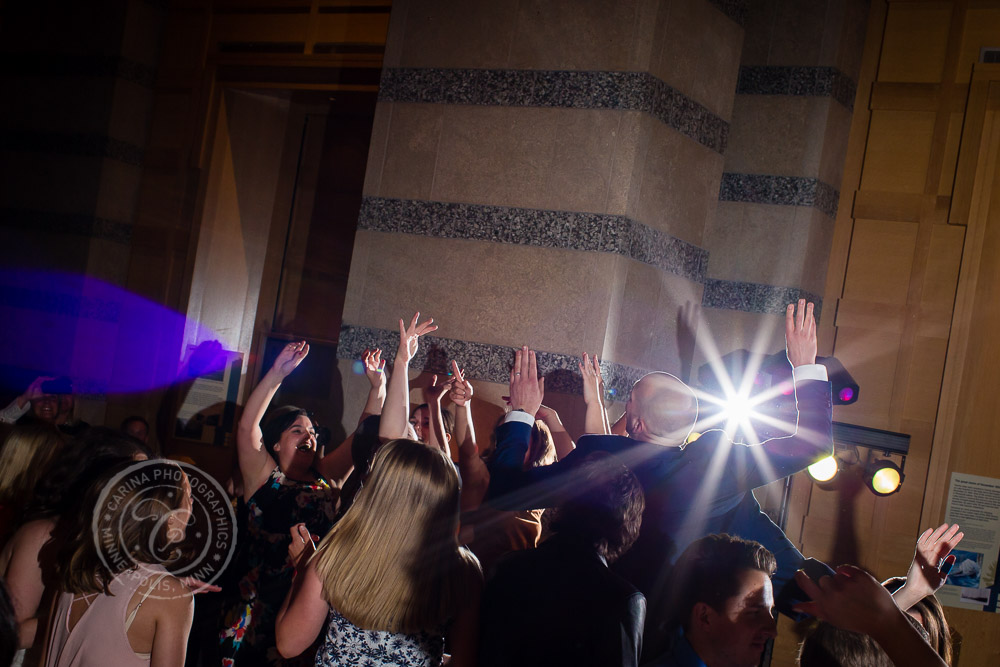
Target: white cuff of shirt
810,372
519,416
12,412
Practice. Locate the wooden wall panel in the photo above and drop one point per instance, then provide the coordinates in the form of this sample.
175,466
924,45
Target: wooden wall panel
916,283
916,37
879,270
899,147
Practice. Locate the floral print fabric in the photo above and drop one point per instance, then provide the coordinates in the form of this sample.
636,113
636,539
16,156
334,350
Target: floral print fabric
247,636
348,645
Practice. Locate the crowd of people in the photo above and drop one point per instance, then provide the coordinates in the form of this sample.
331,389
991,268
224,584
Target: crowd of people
413,543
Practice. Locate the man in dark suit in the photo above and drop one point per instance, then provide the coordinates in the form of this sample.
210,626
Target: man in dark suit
691,490
559,604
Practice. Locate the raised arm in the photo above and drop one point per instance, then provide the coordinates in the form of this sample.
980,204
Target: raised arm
375,372
511,486
475,476
22,403
437,436
255,463
396,411
560,438
812,433
932,561
853,600
596,419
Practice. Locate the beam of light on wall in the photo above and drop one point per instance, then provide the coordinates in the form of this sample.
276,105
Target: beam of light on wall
104,338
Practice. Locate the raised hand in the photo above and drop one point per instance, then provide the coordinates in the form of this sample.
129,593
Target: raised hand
590,369
374,368
526,388
302,546
34,389
460,392
932,560
800,334
290,357
851,599
409,337
435,392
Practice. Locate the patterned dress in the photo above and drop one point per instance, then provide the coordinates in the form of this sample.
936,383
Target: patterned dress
347,644
265,574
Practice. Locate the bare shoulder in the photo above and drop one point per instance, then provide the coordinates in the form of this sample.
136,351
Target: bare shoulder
171,596
34,532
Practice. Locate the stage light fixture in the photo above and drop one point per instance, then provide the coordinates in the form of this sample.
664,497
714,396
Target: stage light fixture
825,469
883,477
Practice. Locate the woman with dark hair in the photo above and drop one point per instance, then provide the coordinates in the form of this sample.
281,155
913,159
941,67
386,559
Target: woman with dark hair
118,603
285,483
28,560
930,614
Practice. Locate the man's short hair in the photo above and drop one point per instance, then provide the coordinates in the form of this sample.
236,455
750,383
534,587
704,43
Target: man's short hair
605,509
709,571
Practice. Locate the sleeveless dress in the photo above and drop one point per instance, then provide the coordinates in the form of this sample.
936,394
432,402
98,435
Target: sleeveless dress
100,637
262,568
347,644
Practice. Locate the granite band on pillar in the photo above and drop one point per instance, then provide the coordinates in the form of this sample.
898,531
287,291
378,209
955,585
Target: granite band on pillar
484,361
780,190
797,81
595,232
617,91
754,297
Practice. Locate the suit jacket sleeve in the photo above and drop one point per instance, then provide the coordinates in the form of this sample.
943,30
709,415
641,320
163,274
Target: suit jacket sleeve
810,441
631,629
512,487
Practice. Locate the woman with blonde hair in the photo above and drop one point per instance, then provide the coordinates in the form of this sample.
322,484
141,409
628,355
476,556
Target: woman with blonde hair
27,452
390,577
118,604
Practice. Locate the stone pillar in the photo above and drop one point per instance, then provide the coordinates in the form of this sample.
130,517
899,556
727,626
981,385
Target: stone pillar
543,173
770,239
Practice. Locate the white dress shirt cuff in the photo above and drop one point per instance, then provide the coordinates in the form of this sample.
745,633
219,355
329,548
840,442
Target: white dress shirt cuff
12,413
519,416
810,372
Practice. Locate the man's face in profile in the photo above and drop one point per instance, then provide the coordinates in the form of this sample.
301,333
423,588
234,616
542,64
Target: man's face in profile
741,629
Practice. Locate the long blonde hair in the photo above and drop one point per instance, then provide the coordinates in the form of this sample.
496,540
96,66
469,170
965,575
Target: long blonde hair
393,562
25,457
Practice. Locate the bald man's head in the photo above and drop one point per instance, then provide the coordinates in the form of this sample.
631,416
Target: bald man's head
661,409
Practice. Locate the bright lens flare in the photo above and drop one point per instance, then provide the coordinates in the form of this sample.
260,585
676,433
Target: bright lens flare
885,480
737,409
824,470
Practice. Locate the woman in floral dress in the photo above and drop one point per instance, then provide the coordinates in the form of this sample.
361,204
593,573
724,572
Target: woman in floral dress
285,483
